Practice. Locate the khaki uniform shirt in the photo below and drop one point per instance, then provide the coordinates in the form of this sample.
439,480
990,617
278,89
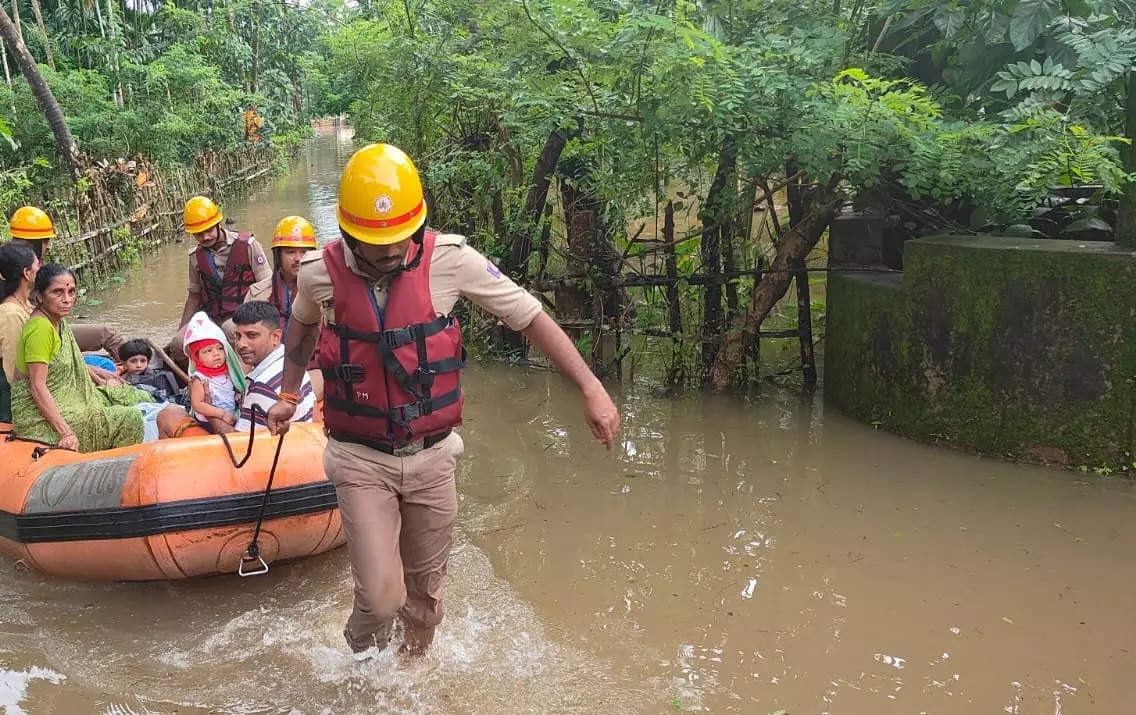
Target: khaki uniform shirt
260,267
261,290
456,270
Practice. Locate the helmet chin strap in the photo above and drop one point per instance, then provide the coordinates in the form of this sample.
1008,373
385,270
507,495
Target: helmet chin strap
373,269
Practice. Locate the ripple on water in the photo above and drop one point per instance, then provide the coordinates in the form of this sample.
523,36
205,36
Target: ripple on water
492,654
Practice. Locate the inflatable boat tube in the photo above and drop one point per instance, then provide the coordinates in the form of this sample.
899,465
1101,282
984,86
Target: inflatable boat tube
170,509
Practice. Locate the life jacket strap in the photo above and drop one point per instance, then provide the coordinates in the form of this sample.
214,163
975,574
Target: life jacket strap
400,415
354,372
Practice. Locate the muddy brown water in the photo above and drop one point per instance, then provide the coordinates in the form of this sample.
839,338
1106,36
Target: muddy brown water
730,556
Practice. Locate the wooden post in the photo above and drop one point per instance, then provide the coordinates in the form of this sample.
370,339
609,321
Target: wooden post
805,324
674,311
753,350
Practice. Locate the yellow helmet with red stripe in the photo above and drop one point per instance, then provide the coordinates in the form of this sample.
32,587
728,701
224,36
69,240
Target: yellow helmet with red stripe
380,196
294,232
201,214
31,223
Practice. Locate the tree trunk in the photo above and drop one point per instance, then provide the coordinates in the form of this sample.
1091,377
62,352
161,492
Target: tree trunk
111,37
1126,216
16,19
572,301
729,265
8,78
794,193
256,52
823,203
43,29
590,248
546,163
64,142
714,214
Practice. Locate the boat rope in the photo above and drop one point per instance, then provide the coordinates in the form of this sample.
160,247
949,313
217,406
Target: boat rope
252,433
37,452
252,556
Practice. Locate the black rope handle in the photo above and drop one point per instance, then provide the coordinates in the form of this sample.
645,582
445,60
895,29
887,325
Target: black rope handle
252,432
252,552
37,452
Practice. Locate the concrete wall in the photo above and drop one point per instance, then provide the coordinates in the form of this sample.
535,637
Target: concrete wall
1018,347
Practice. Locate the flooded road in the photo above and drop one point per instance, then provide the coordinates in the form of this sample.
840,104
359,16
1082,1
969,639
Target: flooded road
729,556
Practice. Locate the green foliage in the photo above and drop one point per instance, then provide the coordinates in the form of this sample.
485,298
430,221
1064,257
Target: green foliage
1025,57
130,249
959,109
1030,18
168,82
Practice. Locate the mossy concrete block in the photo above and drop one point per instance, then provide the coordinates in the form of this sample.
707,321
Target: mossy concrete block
1020,347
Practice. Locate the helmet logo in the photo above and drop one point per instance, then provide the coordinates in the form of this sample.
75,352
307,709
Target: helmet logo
383,204
297,231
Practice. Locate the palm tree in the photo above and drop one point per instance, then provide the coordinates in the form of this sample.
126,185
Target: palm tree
43,30
64,142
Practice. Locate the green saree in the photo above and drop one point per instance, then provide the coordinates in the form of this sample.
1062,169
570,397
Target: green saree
101,417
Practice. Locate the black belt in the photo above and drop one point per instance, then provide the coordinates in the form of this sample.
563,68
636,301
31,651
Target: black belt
386,447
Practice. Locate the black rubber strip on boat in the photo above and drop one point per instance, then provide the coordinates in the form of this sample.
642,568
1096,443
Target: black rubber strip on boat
186,515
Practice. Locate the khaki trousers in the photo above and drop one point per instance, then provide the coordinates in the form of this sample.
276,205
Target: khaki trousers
93,337
398,516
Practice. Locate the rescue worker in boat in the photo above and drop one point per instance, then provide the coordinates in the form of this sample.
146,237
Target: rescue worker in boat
293,237
223,264
30,226
391,355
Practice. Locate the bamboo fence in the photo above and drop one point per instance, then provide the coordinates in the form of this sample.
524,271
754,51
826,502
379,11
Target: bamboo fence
142,198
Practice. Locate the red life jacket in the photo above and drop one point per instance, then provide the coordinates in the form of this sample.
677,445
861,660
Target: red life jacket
281,298
223,295
392,376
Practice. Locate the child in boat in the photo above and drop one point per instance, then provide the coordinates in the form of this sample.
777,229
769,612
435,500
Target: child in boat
135,356
217,381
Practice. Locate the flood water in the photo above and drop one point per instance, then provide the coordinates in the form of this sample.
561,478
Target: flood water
729,556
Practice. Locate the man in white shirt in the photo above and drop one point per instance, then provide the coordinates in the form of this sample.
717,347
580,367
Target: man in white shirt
257,333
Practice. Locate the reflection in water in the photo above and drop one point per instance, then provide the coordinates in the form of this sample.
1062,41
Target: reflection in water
730,556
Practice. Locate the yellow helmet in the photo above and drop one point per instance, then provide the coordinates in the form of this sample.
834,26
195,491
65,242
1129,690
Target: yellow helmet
380,196
294,232
31,223
201,214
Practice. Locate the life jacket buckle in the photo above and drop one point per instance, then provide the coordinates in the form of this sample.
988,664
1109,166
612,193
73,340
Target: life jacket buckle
397,337
350,372
415,410
425,377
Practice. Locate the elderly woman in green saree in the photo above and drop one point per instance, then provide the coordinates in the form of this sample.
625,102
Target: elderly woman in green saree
54,400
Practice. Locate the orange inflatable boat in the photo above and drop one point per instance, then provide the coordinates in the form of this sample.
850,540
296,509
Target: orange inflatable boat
170,509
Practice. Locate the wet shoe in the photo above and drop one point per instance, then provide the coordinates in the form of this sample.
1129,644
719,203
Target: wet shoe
366,647
418,639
